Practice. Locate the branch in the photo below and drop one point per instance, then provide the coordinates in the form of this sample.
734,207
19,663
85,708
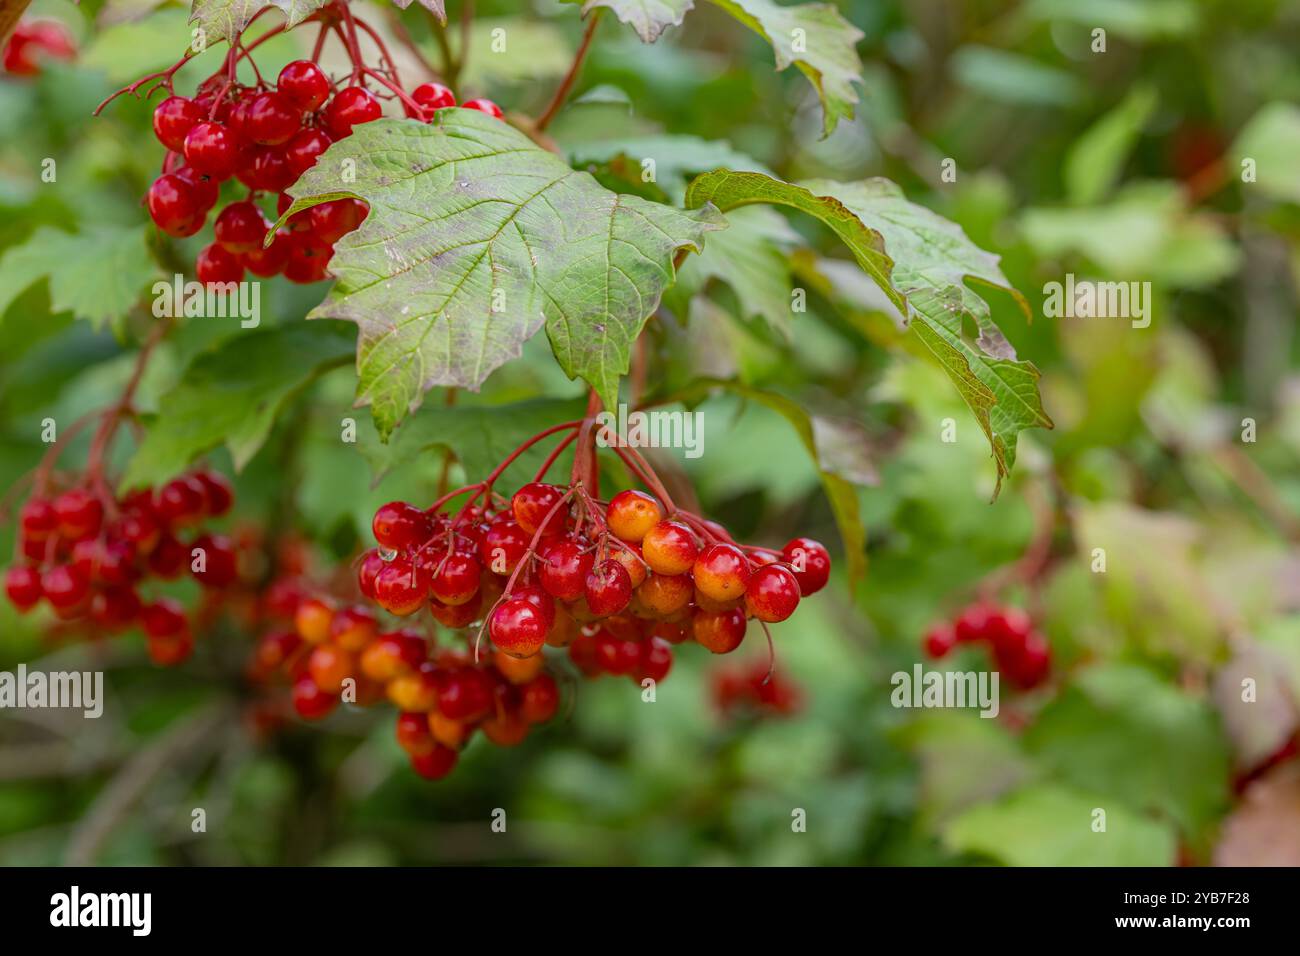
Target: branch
566,84
11,11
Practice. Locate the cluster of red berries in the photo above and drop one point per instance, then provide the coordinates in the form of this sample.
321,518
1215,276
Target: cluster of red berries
1020,651
265,137
442,695
616,583
33,41
87,555
754,688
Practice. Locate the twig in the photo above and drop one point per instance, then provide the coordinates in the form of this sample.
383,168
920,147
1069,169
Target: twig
562,92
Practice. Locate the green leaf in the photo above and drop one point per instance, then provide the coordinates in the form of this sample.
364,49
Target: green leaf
649,18
476,238
1272,141
839,464
675,159
1014,78
922,262
1097,158
1131,19
751,257
480,436
548,52
96,275
1046,825
232,393
1122,732
817,40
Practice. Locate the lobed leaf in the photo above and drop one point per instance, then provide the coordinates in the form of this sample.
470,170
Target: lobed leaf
922,262
475,239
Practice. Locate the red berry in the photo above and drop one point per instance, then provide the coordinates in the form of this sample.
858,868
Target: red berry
220,565
972,623
179,501
308,262
413,734
271,119
435,764
64,587
810,562
656,660
433,96
503,546
397,590
170,651
483,106
303,149
457,580
669,548
218,495
266,168
173,118
533,502
23,585
351,107
218,265
399,526
565,565
331,221
114,608
721,572
631,514
939,640
271,260
608,588
464,694
540,699
38,519
164,618
304,84
720,632
168,557
368,570
240,227
518,627
1008,627
213,148
310,701
174,206
353,628
79,512
772,593
666,594
206,190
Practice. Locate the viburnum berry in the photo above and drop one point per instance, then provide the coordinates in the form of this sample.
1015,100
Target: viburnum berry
219,567
656,660
669,548
483,106
720,632
266,168
810,562
38,519
416,690
23,586
310,701
465,694
939,640
457,580
398,526
721,572
565,564
34,40
304,84
772,593
435,764
271,260
631,514
312,620
433,96
164,618
79,513
518,627
540,699
168,557
308,262
217,493
331,221
240,227
174,206
350,107
205,188
304,148
532,503
398,590
608,588
213,148
368,569
272,119
173,118
329,666
503,546
666,594
217,264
